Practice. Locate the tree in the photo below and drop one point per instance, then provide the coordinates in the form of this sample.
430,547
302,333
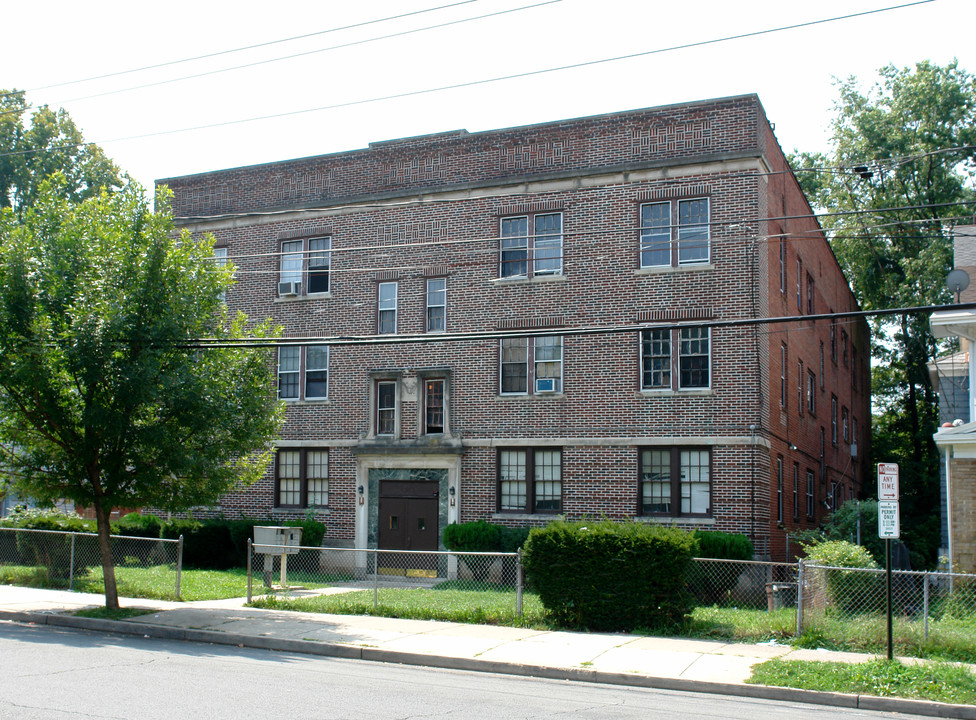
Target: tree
49,143
104,400
902,160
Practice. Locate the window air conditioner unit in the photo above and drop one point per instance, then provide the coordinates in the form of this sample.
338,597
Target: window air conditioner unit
289,289
854,450
545,385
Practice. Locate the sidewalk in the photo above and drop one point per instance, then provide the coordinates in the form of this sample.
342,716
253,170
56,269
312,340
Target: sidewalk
667,663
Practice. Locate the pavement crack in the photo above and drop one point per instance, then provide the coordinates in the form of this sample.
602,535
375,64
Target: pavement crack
22,709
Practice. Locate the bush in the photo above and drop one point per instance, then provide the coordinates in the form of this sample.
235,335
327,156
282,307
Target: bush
482,536
609,576
136,525
221,544
850,591
713,585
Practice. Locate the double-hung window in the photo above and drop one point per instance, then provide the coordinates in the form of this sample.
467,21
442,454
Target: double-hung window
531,245
810,504
833,419
674,233
531,365
220,260
434,406
779,489
436,304
386,321
305,266
303,372
302,477
386,407
687,349
675,481
529,480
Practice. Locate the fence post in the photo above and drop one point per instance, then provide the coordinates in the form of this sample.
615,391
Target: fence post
179,564
71,563
518,583
249,571
925,602
376,578
799,597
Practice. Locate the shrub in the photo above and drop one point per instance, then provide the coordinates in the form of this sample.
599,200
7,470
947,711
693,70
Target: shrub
713,585
609,576
53,551
850,591
136,525
221,544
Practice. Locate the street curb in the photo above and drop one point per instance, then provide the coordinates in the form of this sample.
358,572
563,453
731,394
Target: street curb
352,652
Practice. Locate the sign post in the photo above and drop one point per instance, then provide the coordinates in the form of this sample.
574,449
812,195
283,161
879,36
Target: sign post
888,529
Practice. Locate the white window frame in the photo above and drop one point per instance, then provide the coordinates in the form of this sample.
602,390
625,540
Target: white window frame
386,306
299,367
679,238
301,259
524,254
383,411
436,305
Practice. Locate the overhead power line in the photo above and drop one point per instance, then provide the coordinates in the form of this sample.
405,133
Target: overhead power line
230,51
513,76
475,336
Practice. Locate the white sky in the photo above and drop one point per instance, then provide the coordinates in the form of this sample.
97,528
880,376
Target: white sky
793,71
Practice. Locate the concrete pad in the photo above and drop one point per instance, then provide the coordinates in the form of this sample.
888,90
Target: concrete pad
727,669
639,661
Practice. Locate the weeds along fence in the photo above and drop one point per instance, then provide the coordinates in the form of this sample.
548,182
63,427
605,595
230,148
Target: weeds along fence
302,571
746,584
71,560
926,606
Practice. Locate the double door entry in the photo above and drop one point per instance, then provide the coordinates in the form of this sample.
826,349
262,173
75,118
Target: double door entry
408,520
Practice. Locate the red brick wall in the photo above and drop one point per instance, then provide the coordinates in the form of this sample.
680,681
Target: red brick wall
420,205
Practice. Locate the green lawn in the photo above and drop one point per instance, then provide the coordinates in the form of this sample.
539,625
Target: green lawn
942,682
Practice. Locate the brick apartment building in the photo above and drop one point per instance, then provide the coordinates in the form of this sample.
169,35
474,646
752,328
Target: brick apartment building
531,322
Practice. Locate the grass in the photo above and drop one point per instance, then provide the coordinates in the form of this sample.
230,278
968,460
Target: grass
942,682
454,601
106,614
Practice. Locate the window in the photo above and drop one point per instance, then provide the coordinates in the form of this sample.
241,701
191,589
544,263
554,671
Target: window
810,507
845,424
303,372
302,478
674,233
833,340
779,489
436,304
525,254
386,321
782,266
796,490
821,366
783,391
799,285
843,346
386,407
833,419
853,368
688,349
546,362
811,305
305,266
220,255
811,393
530,480
799,386
434,406
675,481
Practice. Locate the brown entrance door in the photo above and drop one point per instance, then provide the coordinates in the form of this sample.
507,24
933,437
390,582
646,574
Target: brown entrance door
408,521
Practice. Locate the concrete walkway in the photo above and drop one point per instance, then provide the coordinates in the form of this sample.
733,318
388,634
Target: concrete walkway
670,663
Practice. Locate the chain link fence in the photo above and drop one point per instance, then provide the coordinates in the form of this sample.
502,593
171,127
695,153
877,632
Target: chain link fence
144,567
925,605
743,584
303,571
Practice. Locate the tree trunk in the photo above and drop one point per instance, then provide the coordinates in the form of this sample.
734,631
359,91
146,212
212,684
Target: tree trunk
102,514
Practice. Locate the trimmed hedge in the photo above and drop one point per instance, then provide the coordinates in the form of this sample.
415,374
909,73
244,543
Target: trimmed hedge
482,536
713,585
723,546
610,577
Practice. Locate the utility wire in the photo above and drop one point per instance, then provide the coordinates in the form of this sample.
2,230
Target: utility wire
244,48
513,76
202,343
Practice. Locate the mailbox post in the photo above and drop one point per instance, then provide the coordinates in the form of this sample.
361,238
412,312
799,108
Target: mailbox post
277,540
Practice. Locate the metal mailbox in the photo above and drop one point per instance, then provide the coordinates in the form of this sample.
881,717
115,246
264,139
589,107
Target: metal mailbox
286,540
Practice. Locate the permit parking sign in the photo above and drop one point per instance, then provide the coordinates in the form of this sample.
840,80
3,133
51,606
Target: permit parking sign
888,516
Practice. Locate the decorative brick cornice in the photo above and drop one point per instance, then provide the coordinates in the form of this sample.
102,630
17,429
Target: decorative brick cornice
523,323
698,313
